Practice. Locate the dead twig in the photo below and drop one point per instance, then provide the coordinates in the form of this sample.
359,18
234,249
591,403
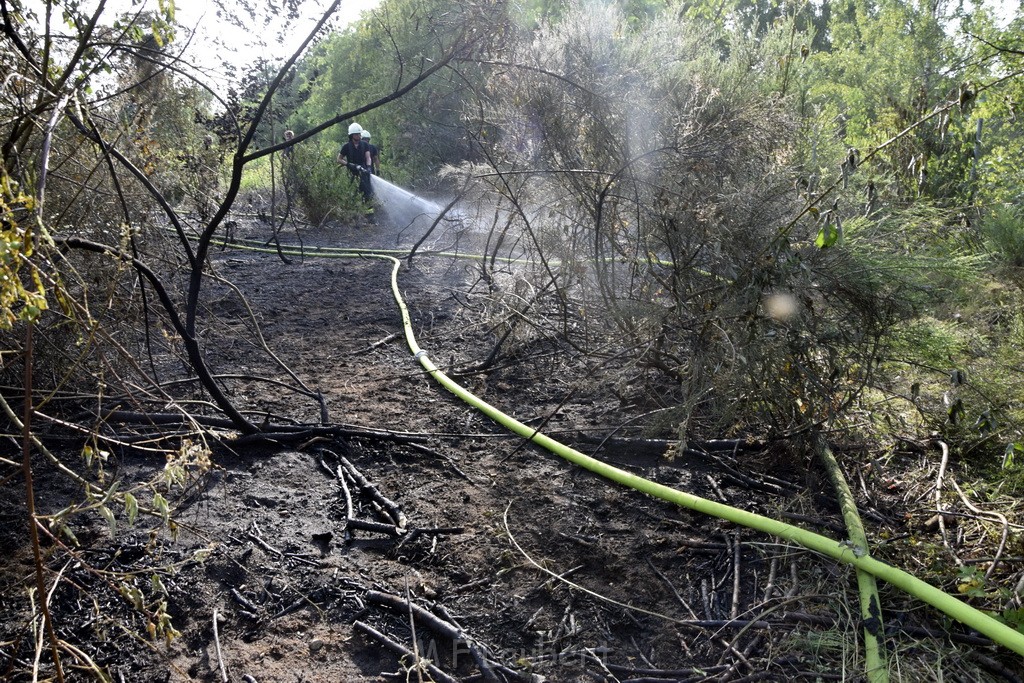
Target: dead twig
376,527
290,608
435,532
242,600
443,626
415,645
451,463
216,644
435,673
256,537
773,569
663,674
938,500
716,489
988,515
380,342
577,586
818,521
671,587
391,509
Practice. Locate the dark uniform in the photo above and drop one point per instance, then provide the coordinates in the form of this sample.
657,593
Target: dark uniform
354,153
374,158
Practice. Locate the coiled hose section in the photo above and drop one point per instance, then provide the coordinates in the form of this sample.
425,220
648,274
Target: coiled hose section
850,553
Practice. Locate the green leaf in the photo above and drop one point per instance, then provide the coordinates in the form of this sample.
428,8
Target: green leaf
1012,449
109,516
160,505
131,508
133,595
827,236
66,531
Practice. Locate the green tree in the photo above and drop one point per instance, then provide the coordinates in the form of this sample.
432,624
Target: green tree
422,131
997,175
914,72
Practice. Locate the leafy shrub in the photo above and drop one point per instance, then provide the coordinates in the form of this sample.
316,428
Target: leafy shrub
1003,230
322,188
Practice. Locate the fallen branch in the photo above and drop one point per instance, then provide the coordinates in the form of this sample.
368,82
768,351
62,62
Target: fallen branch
577,586
987,515
390,507
429,451
435,673
216,644
737,554
437,625
380,342
938,499
415,644
243,601
283,433
376,527
672,587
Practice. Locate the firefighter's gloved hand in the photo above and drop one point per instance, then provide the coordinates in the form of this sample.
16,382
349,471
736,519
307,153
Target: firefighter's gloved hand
363,169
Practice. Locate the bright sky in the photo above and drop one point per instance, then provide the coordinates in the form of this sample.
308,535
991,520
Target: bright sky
216,38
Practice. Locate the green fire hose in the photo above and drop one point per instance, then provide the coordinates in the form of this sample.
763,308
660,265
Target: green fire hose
847,552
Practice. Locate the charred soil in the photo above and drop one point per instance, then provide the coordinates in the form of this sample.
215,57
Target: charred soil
518,565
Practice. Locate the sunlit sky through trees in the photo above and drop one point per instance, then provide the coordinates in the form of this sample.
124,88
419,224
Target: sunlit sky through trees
217,38
219,41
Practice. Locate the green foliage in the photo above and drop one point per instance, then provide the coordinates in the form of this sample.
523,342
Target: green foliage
22,293
973,583
243,103
1003,230
423,130
532,14
1010,473
679,188
930,342
925,249
911,81
256,176
323,188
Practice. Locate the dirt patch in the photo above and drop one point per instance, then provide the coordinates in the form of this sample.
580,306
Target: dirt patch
545,571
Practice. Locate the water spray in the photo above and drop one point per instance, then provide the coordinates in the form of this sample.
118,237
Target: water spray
403,208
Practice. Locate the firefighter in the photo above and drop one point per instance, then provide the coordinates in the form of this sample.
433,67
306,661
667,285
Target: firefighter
355,154
374,154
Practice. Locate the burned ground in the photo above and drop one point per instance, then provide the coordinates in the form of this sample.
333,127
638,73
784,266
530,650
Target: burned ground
531,568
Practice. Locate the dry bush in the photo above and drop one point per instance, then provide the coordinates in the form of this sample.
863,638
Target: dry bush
654,182
104,326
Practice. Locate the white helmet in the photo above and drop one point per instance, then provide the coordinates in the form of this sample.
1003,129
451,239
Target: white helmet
366,134
354,129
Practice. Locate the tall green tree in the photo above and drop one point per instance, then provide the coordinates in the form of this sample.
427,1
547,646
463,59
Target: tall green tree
912,71
423,130
997,172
